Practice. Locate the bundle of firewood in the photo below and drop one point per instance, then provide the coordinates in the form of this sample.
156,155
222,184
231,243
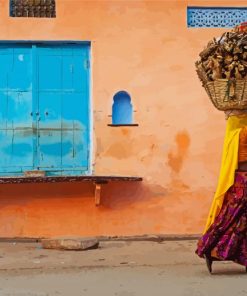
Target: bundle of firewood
222,68
225,57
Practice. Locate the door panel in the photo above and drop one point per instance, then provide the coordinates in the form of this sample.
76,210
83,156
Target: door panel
49,110
3,108
16,150
19,110
74,149
80,73
49,72
74,111
16,122
49,149
64,110
68,149
5,62
75,70
20,72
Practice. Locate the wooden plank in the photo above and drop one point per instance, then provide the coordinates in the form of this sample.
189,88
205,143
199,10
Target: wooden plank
95,179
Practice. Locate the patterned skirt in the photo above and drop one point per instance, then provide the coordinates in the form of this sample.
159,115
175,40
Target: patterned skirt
226,239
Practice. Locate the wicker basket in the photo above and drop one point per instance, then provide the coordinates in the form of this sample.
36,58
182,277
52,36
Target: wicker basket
227,94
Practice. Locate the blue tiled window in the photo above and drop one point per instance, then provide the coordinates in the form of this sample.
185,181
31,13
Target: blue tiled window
215,17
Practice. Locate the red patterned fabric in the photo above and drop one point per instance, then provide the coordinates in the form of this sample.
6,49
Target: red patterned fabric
226,239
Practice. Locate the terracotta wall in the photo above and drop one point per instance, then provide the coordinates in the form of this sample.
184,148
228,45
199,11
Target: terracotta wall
145,48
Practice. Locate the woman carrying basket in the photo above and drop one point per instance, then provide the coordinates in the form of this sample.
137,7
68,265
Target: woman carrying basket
225,234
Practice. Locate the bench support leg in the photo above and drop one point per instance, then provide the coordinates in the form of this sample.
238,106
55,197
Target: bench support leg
97,193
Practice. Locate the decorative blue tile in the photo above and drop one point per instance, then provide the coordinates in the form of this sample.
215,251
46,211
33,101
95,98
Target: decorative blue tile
215,17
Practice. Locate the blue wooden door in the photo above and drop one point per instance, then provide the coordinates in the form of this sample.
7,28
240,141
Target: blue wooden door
46,87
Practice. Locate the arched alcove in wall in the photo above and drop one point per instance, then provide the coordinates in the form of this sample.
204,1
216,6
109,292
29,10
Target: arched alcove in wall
122,109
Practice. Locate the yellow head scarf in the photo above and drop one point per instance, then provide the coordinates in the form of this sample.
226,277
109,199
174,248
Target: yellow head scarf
229,164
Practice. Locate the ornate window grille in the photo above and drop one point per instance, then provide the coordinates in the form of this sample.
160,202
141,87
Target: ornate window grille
215,17
33,8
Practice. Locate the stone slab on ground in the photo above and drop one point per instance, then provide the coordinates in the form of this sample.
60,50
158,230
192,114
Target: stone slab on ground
74,243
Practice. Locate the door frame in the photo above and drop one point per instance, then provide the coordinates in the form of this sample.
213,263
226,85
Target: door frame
90,111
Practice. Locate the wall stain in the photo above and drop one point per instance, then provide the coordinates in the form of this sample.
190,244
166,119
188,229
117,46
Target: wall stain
176,158
119,150
148,154
125,131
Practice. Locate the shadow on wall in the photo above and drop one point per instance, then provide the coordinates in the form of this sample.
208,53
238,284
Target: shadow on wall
114,195
21,194
121,195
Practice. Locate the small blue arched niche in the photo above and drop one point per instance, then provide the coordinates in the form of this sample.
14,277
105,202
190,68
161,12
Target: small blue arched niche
122,109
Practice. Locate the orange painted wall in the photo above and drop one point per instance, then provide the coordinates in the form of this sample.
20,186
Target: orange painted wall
145,48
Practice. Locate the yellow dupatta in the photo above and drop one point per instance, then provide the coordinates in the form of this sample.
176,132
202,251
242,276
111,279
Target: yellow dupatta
229,164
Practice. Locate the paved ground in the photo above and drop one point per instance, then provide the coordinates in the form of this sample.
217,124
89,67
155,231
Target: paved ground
118,269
